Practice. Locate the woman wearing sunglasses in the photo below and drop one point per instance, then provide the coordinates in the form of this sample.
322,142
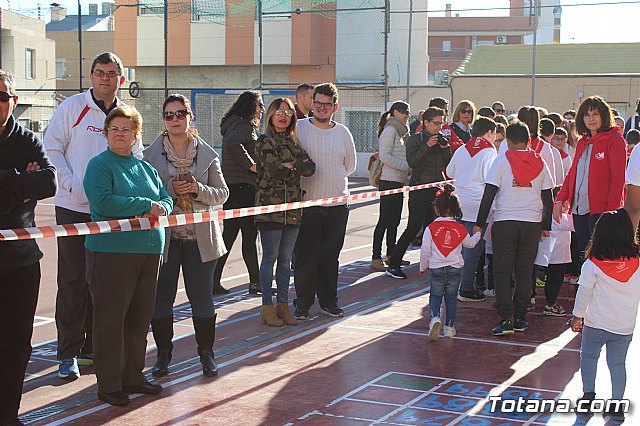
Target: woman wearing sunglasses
280,161
190,169
462,118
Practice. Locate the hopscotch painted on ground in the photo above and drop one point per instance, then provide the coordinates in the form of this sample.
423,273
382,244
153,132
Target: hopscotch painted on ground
410,399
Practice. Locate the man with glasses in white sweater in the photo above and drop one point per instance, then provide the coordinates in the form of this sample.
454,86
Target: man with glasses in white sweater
330,145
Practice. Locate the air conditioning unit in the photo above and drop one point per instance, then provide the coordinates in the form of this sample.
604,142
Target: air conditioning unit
501,40
37,126
441,78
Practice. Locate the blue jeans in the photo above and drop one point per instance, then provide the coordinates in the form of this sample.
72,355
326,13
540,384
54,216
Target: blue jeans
444,283
617,345
277,244
471,258
198,280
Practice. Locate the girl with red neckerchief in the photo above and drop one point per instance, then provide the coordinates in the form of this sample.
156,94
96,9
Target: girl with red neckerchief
441,256
595,182
607,302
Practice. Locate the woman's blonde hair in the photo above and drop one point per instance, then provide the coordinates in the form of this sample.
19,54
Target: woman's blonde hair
127,112
462,105
271,111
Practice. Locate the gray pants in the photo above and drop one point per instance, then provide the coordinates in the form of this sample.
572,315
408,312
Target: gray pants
515,244
74,311
123,289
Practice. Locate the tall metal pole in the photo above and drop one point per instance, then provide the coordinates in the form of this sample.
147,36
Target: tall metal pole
409,49
80,45
387,26
260,41
166,48
533,59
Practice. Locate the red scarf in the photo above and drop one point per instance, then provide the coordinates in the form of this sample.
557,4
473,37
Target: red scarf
447,235
475,145
525,165
620,270
536,145
563,154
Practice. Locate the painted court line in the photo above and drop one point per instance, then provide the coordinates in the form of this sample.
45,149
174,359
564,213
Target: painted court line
472,339
248,355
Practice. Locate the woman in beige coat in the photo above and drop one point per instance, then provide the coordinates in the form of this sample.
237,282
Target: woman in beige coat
191,171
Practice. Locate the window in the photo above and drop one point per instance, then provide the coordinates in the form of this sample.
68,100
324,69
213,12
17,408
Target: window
446,45
61,69
30,64
363,126
151,7
206,10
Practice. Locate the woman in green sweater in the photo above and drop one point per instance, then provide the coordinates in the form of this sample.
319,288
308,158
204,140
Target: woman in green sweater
122,267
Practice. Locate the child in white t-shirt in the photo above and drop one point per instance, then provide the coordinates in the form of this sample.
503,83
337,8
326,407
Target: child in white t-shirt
521,184
606,305
559,258
441,256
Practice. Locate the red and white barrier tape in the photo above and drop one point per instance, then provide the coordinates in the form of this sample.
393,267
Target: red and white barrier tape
124,225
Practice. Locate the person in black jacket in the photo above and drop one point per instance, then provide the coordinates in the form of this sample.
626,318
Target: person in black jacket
26,175
239,134
428,154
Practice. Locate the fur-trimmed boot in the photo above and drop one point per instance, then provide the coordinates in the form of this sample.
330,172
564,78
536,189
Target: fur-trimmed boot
284,313
269,316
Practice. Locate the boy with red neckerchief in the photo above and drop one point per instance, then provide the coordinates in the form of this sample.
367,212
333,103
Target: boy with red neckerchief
441,255
607,302
521,184
470,167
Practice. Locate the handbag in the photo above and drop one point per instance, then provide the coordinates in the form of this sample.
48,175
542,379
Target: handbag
375,169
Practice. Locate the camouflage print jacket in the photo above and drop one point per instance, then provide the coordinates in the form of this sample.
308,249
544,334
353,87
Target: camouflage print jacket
277,184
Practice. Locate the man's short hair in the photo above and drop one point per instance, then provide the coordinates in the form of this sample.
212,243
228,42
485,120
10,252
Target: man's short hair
547,127
556,118
439,102
431,113
569,112
327,89
9,80
518,132
482,125
485,111
108,58
304,87
633,136
560,131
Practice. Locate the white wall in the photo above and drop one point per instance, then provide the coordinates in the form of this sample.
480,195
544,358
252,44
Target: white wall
208,43
150,39
276,44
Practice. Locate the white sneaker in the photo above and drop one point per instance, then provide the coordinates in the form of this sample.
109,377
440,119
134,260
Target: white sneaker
490,293
434,328
449,331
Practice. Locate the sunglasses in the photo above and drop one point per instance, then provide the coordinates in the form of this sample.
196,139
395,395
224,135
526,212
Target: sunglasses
466,111
5,96
286,112
499,111
181,114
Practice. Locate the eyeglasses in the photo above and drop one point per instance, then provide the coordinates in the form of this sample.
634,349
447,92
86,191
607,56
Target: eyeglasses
466,111
181,114
116,130
323,105
499,110
286,112
437,123
407,112
5,96
110,74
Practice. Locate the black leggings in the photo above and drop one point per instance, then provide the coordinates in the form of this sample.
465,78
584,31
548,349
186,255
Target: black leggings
240,195
390,213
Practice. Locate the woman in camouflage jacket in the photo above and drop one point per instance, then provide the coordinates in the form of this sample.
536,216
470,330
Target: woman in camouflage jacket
280,161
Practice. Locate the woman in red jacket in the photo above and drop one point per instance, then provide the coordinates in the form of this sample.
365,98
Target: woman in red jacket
595,183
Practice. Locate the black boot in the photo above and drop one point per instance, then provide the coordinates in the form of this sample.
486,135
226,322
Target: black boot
162,329
205,335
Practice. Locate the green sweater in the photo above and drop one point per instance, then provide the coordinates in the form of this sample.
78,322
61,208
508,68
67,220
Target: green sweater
123,187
